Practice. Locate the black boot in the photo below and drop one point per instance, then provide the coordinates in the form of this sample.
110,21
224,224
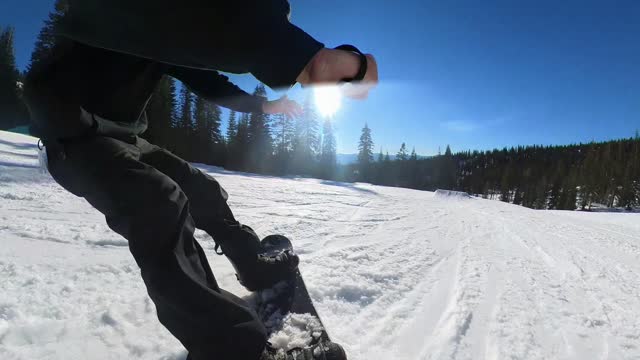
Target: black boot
254,270
320,351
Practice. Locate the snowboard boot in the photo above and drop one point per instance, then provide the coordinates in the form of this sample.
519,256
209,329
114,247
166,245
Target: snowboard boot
321,351
254,270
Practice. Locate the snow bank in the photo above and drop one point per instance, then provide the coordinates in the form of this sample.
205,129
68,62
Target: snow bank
452,194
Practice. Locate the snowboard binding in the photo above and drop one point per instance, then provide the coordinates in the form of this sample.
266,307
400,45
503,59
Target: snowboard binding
288,304
268,270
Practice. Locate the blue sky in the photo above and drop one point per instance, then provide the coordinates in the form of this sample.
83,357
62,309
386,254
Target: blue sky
472,74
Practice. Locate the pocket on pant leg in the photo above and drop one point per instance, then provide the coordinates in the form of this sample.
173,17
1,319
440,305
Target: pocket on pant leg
77,164
63,172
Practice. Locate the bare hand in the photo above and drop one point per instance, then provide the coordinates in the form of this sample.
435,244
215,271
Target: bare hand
284,106
329,66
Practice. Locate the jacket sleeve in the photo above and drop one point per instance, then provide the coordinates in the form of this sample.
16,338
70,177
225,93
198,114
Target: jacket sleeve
237,36
217,88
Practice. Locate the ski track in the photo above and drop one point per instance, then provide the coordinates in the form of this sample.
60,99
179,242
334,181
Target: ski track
394,273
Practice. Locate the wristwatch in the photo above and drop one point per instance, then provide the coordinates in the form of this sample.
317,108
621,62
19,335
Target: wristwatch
363,63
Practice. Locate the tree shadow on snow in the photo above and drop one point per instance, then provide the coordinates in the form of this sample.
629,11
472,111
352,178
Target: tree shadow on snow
222,171
13,153
350,186
20,146
27,166
611,210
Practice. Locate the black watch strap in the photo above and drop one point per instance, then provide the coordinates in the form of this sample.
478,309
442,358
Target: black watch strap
363,63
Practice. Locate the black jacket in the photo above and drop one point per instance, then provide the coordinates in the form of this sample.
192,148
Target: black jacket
112,53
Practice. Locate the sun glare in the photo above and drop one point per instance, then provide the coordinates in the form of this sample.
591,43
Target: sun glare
328,99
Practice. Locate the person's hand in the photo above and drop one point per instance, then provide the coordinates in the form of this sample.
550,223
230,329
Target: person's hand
329,66
284,106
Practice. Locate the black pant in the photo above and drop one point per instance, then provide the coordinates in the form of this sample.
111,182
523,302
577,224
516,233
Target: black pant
156,200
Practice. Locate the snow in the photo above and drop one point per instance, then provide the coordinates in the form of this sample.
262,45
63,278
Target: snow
288,331
297,331
452,194
394,273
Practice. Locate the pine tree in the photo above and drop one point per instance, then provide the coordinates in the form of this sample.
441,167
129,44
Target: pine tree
412,171
230,140
517,196
402,171
186,109
238,160
284,134
328,151
208,142
232,128
217,141
378,169
630,188
201,146
307,142
569,192
185,129
260,142
214,113
609,186
46,37
590,177
402,153
505,186
12,110
635,174
448,171
161,114
628,193
365,153
414,156
541,194
556,186
386,171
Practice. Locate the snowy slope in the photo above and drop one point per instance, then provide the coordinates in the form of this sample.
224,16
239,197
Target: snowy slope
395,273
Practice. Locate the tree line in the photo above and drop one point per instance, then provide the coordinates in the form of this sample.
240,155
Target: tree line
13,112
539,177
190,127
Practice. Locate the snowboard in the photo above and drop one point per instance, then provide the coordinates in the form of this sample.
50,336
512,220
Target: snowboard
286,309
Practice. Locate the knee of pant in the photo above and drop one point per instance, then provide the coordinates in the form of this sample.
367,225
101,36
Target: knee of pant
155,222
163,201
208,186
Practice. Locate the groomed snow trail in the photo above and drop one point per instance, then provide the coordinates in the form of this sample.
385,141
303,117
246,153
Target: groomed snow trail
395,273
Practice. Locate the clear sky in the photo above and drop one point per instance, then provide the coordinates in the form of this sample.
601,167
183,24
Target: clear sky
472,74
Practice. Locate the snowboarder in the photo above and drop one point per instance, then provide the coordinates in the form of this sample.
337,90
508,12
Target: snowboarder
88,104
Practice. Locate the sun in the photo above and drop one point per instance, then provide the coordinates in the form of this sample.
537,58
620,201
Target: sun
328,99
